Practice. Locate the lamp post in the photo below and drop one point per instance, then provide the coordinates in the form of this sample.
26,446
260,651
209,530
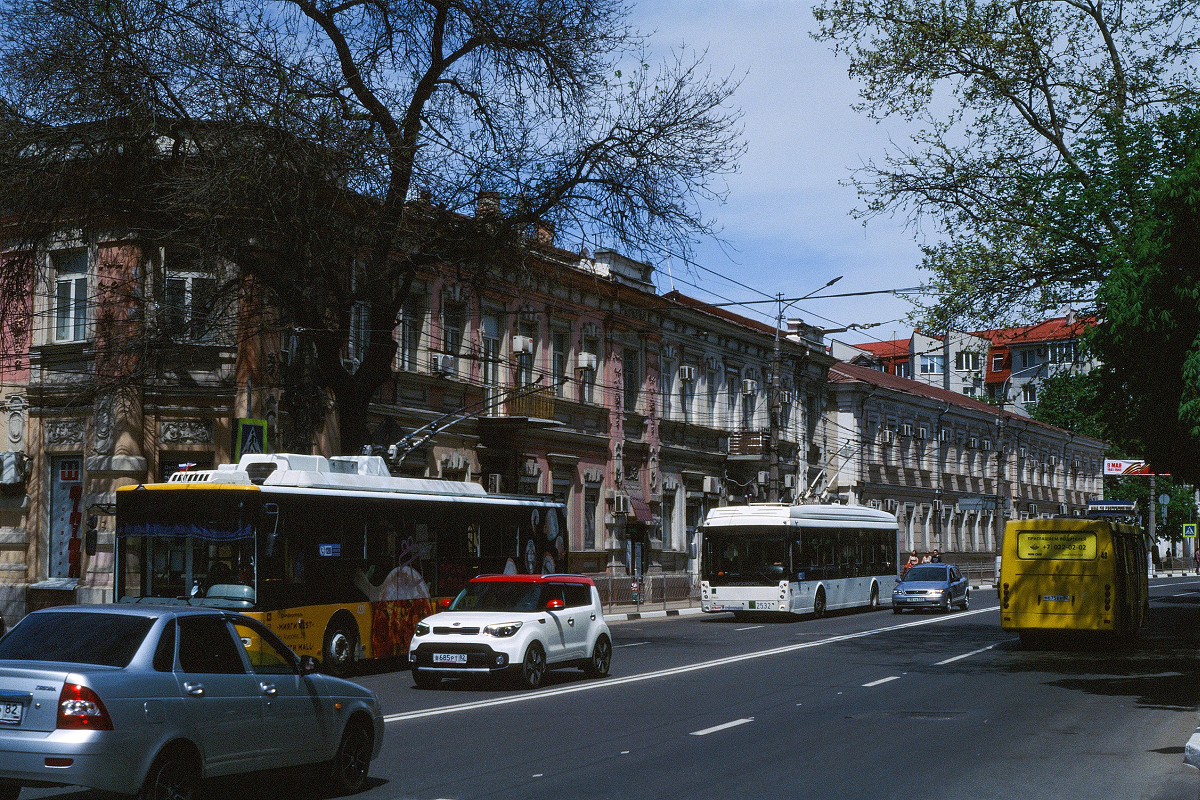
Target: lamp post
773,405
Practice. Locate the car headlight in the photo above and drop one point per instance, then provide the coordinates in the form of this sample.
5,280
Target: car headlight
501,629
422,629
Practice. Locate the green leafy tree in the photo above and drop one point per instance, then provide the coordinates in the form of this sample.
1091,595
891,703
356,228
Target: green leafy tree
1028,159
331,151
1070,402
1149,335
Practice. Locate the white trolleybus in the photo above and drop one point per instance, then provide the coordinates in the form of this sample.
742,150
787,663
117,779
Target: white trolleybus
802,559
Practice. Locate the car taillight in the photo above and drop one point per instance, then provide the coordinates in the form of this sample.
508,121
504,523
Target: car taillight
79,708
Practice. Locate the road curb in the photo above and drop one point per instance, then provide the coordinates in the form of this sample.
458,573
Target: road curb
670,612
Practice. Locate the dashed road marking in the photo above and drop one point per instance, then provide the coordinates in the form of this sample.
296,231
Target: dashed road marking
722,727
881,680
965,655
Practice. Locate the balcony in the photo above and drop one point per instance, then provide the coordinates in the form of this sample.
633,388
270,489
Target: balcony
539,404
748,443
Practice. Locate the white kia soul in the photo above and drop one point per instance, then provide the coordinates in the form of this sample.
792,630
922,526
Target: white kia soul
519,625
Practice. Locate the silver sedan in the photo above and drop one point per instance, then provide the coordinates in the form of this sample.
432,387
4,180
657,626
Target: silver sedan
153,700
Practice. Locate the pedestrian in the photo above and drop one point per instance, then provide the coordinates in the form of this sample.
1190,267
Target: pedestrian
928,558
913,560
1196,556
936,558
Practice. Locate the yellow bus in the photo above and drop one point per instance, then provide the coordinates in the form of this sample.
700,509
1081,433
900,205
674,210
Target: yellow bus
335,556
1060,575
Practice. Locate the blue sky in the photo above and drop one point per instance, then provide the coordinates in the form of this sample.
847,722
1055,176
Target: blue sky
787,218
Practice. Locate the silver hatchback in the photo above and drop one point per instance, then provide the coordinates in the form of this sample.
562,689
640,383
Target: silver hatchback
153,700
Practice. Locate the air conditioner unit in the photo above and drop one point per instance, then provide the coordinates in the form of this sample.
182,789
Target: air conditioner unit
712,485
785,397
621,504
443,364
494,483
749,386
12,468
522,344
687,373
789,481
764,477
906,429
887,436
945,435
588,361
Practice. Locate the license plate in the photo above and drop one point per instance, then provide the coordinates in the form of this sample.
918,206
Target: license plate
1057,598
10,713
449,658
759,605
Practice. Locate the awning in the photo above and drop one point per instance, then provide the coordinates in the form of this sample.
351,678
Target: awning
641,509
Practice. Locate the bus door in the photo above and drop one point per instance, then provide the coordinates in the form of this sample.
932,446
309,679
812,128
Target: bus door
1120,577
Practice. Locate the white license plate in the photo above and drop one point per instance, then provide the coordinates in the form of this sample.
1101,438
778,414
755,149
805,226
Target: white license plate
759,605
1057,598
449,658
10,713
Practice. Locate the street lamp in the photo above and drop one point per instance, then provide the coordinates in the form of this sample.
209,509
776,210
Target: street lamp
773,399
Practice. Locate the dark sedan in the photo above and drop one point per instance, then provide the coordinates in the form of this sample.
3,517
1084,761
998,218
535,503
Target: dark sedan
931,586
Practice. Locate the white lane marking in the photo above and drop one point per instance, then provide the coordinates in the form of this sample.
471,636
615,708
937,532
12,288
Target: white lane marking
881,680
965,655
631,644
752,627
664,673
716,728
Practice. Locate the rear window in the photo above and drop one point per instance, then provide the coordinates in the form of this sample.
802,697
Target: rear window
109,640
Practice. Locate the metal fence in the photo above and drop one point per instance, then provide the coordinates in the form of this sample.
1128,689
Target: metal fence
652,591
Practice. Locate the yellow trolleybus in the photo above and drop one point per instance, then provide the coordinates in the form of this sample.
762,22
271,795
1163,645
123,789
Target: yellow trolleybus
1060,575
336,556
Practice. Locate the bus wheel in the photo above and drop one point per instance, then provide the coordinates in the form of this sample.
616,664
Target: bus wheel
874,595
819,603
341,642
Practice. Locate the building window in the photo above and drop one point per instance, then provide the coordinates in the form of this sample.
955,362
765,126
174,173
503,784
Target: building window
733,388
750,387
70,295
1062,352
591,502
527,329
412,320
489,336
560,350
904,369
188,305
713,379
587,375
997,362
1028,358
666,381
454,322
1029,393
966,361
631,364
687,397
933,365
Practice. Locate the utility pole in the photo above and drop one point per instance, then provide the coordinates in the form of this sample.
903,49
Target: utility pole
773,389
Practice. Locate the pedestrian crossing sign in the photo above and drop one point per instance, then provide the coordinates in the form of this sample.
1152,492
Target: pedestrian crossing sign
1189,530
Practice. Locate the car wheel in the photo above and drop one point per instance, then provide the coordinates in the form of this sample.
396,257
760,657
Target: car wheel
174,775
967,600
341,643
949,605
601,658
533,666
348,770
9,791
819,603
424,679
874,596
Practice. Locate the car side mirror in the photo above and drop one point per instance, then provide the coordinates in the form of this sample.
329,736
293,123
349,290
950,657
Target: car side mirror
309,665
555,605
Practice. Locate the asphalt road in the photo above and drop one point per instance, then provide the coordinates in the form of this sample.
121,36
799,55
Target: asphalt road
859,705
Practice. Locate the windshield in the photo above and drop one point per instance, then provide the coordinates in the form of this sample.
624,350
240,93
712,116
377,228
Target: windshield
926,573
106,639
498,596
187,544
745,556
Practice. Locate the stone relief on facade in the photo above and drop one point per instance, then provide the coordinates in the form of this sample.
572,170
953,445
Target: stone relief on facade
186,431
102,425
64,434
16,409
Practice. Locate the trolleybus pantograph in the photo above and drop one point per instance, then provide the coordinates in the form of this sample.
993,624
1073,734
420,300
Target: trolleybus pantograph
796,559
334,555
